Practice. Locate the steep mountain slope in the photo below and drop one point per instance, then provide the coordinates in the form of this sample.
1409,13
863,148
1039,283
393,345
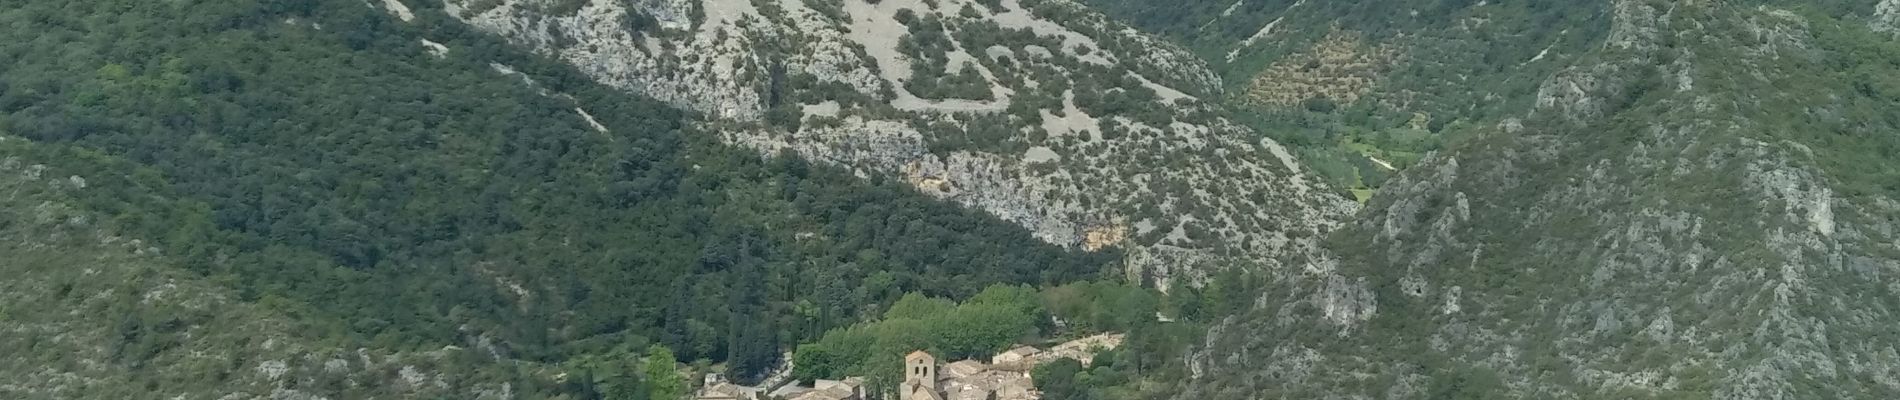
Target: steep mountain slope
1361,89
1702,206
1041,112
88,312
411,187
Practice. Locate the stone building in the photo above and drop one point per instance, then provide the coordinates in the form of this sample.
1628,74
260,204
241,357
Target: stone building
724,391
847,389
1018,354
920,377
924,379
716,388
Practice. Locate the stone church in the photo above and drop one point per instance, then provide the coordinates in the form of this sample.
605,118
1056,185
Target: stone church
920,378
924,379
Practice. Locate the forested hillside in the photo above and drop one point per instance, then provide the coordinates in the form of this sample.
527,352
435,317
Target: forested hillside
585,199
315,160
89,311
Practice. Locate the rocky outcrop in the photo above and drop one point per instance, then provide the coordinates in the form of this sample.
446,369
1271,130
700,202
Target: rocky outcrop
1646,231
692,54
1178,187
1887,17
1083,200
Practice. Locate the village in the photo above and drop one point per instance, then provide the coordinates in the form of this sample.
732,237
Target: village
1005,376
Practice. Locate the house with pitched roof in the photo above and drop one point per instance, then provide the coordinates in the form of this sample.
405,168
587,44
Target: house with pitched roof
924,379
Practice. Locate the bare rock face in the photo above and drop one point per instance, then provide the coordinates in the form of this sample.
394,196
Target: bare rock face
695,64
1887,17
1043,113
1680,242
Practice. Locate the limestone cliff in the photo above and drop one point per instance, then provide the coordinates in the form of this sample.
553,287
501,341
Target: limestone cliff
1044,113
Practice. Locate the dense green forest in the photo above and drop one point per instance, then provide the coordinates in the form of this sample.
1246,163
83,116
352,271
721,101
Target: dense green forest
316,158
88,310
